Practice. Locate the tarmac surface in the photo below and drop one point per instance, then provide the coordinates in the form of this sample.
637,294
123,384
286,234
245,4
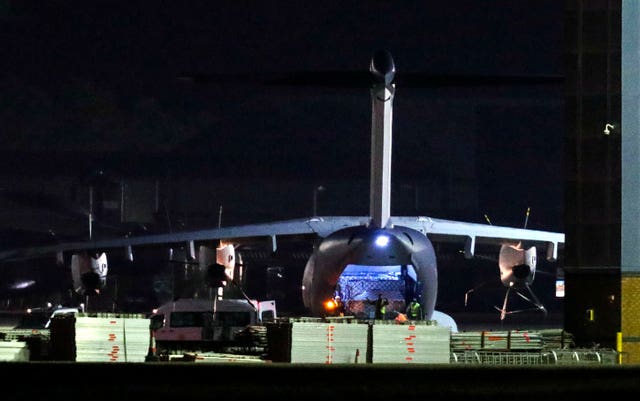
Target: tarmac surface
281,381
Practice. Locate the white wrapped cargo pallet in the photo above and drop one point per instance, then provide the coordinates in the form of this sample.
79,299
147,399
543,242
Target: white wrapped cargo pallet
328,343
411,343
111,339
14,351
137,339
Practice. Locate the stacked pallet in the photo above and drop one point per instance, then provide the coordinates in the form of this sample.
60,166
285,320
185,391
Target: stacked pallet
557,339
513,340
328,343
111,338
14,351
410,343
212,357
22,334
254,336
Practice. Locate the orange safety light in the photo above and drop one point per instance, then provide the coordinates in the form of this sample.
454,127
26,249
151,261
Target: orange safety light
330,305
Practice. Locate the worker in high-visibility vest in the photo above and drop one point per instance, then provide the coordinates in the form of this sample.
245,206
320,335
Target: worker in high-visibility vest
414,310
339,305
381,306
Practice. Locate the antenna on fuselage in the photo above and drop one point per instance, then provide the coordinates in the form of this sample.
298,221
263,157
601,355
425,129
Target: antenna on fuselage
383,71
487,219
526,219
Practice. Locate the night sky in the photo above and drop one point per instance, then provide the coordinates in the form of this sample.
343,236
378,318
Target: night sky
88,86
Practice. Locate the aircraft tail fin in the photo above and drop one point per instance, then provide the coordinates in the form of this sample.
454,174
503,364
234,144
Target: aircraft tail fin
382,70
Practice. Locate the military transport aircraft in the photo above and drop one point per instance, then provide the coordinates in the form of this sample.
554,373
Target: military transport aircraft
374,243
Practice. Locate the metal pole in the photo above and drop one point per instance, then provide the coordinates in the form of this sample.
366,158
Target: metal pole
315,202
91,212
122,189
317,189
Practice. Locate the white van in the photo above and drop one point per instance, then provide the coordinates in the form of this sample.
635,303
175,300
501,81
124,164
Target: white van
204,323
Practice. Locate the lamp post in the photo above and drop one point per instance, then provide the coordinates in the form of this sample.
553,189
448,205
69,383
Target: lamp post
316,190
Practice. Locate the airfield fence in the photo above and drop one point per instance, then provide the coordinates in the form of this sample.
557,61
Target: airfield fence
545,357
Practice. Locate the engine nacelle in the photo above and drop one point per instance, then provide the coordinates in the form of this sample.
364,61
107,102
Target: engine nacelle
89,274
517,266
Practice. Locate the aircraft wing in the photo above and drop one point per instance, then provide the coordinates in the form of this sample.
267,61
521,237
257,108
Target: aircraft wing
320,226
437,230
472,234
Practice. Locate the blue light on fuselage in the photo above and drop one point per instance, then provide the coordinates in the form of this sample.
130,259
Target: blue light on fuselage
382,241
